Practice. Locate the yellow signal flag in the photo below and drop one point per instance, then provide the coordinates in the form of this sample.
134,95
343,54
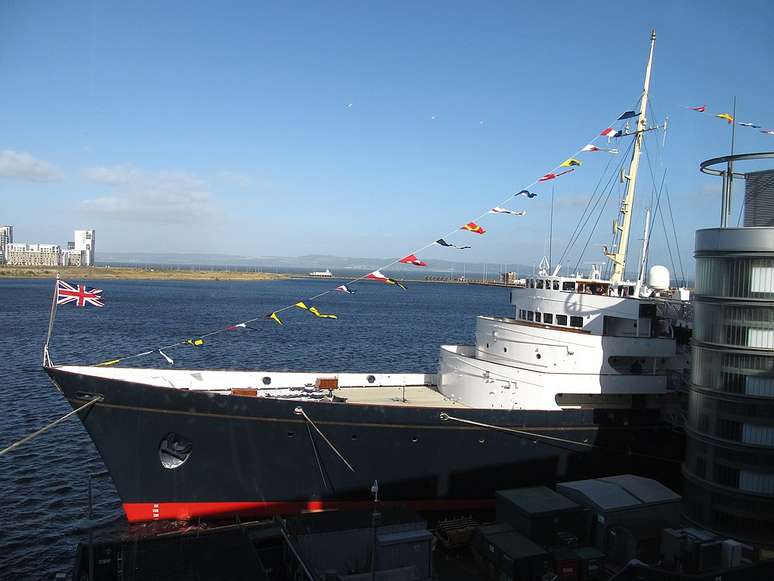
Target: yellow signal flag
301,305
317,313
108,363
571,162
194,342
275,318
729,118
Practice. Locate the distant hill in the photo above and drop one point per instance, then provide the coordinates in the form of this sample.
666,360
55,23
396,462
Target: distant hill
294,263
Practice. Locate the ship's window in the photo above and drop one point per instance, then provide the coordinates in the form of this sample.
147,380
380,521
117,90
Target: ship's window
576,321
548,284
568,285
266,380
531,283
561,319
370,379
548,318
505,349
522,314
530,316
415,439
556,285
538,355
539,284
537,317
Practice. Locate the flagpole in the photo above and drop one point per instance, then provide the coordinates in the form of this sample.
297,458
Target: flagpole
52,315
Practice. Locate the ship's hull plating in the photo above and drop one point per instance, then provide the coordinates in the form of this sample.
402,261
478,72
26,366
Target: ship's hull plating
256,455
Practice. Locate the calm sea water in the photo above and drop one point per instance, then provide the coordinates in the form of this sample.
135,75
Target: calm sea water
43,485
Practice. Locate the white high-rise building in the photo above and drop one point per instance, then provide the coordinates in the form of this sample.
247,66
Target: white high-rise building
6,238
84,241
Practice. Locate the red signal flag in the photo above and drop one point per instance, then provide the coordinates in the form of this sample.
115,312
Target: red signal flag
412,259
473,227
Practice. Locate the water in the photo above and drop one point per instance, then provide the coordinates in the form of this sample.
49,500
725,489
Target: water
43,484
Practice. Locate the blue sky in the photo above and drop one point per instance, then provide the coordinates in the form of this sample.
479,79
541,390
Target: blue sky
225,127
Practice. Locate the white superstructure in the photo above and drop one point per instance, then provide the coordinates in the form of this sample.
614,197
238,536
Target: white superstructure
572,342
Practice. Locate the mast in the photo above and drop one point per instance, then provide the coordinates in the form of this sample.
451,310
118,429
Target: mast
618,256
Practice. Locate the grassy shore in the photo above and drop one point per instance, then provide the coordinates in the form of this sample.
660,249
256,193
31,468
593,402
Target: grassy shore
126,273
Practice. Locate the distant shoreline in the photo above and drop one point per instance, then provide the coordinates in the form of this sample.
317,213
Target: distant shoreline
129,273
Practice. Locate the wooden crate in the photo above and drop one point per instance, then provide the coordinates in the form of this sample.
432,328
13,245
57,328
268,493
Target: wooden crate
327,383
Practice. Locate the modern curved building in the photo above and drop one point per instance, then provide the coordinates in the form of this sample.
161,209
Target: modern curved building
729,467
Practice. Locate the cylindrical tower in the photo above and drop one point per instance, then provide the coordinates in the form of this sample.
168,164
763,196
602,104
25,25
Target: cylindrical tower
729,466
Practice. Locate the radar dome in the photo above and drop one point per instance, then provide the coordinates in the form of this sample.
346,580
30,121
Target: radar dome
658,277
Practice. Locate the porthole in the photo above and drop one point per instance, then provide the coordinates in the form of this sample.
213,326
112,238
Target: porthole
354,436
370,379
174,451
505,349
482,440
266,380
415,439
538,355
291,434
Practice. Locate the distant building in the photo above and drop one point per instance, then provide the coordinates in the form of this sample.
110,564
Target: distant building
6,238
33,254
509,278
72,257
84,241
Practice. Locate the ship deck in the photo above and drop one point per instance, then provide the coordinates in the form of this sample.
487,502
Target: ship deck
415,396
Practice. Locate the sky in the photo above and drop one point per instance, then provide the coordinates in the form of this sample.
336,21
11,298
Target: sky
358,128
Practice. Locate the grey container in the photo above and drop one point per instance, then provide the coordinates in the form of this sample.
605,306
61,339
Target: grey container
540,513
510,555
625,500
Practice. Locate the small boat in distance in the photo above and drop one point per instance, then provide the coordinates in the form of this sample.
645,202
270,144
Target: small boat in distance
322,273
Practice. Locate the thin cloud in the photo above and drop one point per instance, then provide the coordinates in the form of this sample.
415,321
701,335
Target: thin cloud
111,176
162,197
22,166
240,180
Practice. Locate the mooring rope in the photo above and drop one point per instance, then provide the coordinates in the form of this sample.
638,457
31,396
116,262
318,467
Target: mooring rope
51,425
299,411
316,456
445,417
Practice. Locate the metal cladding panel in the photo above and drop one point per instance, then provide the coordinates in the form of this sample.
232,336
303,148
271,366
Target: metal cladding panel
536,501
645,489
759,198
599,495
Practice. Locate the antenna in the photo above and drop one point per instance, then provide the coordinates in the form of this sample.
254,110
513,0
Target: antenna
728,177
551,227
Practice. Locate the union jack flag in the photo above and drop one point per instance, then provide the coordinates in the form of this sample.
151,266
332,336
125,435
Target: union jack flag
67,293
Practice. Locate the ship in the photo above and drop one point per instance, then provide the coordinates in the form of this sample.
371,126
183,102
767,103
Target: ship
322,273
585,379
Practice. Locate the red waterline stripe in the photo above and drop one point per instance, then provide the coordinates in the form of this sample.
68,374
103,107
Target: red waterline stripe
145,511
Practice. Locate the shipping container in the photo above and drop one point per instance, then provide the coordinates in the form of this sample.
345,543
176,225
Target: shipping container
540,513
